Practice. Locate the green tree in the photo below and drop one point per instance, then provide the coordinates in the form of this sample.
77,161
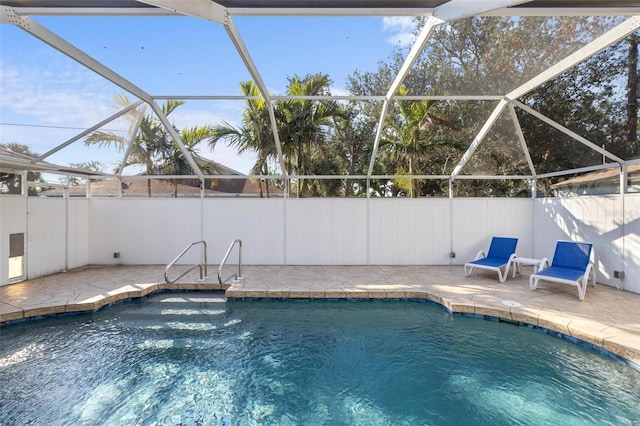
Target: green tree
352,140
408,140
11,183
588,100
94,165
492,56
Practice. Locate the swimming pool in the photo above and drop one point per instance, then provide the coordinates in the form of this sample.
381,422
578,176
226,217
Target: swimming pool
194,359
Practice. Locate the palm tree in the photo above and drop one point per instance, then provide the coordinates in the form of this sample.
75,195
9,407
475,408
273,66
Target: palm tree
174,161
303,123
409,138
152,145
254,134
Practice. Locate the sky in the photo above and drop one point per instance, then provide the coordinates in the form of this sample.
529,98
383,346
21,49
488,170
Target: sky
47,98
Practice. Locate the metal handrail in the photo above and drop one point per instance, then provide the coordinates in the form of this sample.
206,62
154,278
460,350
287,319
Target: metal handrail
237,277
201,266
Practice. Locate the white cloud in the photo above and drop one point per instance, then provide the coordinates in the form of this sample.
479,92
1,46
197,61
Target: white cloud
336,91
55,96
402,27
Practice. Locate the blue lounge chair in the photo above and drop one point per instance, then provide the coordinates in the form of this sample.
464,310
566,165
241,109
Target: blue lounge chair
571,265
502,251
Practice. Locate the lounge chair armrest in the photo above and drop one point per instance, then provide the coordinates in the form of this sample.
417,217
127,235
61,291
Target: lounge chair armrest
590,272
480,255
544,263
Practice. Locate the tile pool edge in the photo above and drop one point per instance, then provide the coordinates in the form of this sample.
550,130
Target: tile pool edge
550,322
94,304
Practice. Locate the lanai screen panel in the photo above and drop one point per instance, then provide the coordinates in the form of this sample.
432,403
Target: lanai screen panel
336,46
501,152
44,107
151,51
495,55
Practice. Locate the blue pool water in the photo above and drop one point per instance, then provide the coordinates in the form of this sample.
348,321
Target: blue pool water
193,359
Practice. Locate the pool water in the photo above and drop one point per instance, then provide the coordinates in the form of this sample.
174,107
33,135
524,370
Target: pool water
194,359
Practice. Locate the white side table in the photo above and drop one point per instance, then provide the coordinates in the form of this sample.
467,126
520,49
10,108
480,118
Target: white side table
527,261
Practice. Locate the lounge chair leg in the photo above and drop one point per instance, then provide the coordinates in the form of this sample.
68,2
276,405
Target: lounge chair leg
533,284
582,289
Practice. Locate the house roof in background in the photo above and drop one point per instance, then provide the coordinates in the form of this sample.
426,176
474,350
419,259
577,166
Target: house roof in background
606,176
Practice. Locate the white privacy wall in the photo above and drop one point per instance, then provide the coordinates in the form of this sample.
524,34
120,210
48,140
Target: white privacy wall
326,231
611,223
258,223
312,231
68,233
631,243
46,236
408,231
476,220
79,231
13,220
142,231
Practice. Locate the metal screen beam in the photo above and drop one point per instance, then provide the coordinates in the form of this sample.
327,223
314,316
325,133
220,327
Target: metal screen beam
8,15
237,41
204,9
211,11
568,132
376,142
92,11
564,11
479,137
580,55
132,138
416,49
330,11
454,9
176,138
523,142
457,9
86,132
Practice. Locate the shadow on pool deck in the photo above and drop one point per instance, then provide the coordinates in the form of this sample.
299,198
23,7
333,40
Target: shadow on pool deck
607,318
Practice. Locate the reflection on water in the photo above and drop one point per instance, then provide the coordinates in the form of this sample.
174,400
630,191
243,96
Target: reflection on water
195,359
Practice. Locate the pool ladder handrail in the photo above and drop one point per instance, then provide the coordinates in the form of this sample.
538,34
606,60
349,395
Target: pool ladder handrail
202,266
237,277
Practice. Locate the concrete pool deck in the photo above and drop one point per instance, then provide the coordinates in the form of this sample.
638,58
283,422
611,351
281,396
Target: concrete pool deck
607,318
